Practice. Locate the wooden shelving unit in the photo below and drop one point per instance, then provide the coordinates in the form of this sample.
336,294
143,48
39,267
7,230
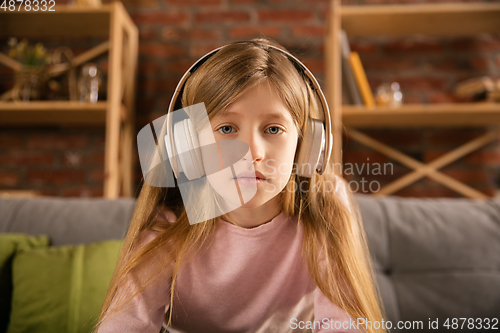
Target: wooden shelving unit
444,20
419,115
117,113
52,113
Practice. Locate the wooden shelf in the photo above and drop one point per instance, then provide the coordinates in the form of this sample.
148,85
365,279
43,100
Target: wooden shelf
65,21
420,115
112,23
52,113
442,20
447,19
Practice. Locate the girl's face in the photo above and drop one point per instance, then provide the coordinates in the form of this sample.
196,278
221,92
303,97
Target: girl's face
261,120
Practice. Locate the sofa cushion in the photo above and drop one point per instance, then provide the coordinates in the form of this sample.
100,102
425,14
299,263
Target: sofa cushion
61,289
9,245
67,221
435,258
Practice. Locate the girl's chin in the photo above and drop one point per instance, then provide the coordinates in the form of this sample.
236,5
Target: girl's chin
256,201
260,199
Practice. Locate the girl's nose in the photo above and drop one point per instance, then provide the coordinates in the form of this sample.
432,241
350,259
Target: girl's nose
256,146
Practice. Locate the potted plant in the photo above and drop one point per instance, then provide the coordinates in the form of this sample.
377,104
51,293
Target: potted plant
31,78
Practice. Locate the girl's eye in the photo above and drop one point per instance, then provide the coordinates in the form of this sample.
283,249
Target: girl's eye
225,129
274,130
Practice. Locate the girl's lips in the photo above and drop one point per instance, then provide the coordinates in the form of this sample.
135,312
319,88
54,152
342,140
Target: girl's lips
250,181
249,174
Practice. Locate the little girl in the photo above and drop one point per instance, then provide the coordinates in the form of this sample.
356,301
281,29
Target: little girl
292,259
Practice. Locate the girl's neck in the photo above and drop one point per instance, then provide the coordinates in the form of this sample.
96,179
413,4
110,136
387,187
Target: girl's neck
252,217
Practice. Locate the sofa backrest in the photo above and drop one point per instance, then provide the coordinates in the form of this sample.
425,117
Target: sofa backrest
67,220
435,258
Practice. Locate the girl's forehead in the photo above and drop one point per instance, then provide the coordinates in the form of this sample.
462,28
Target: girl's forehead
260,101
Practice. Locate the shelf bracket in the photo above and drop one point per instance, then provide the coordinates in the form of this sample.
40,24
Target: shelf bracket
431,169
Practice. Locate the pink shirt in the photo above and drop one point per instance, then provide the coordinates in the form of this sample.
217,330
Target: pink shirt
247,281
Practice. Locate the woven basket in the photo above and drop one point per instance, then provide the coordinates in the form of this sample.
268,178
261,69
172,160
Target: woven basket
29,83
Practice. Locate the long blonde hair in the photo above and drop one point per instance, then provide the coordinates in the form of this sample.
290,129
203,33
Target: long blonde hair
334,240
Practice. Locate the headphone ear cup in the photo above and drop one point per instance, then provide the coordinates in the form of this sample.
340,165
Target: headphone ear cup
313,141
187,146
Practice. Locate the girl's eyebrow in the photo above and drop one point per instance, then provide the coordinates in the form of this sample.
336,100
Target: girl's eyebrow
271,115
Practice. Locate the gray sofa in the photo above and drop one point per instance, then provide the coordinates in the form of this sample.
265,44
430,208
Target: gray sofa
434,258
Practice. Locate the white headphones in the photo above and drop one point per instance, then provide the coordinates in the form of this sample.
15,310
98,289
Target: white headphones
314,151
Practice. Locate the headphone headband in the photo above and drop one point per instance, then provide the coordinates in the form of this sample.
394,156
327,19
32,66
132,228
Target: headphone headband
316,87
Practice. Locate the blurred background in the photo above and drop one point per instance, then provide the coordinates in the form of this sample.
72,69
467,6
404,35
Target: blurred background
45,157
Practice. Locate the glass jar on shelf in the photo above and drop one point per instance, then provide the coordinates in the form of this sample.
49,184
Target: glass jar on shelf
389,95
89,83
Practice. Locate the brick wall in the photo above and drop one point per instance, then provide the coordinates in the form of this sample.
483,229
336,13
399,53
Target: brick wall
175,33
54,161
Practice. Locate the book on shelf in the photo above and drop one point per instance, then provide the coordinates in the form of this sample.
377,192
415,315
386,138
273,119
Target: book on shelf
348,81
361,80
476,86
